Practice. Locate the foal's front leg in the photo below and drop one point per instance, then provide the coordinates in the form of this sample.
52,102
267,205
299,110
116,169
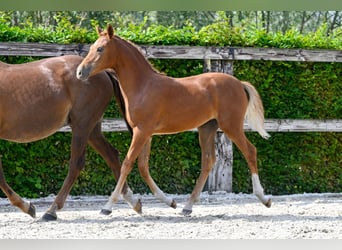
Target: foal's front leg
111,156
138,141
145,173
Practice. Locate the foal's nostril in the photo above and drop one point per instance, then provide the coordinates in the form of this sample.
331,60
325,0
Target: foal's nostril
79,73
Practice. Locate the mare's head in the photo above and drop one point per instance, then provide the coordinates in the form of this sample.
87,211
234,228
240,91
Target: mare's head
98,57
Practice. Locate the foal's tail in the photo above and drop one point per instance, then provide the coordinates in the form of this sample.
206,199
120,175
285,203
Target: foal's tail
255,110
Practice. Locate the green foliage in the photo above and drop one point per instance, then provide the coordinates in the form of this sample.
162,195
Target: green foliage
221,34
38,168
288,162
293,163
295,90
63,33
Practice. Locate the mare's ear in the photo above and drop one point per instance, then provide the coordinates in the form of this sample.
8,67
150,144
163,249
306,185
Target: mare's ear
110,31
98,30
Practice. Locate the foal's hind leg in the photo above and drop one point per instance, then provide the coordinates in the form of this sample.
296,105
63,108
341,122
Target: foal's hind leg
143,160
14,198
206,135
250,153
111,156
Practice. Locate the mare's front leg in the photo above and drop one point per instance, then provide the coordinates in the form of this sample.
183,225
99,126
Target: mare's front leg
14,198
138,141
77,162
145,173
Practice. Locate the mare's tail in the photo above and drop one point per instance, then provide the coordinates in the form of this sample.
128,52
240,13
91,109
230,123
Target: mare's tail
255,110
119,98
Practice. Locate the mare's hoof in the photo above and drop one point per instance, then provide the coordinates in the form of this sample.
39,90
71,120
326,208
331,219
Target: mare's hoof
186,212
49,217
173,204
105,211
268,203
138,207
32,210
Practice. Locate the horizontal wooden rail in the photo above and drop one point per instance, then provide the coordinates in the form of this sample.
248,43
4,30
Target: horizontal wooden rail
271,125
180,52
236,53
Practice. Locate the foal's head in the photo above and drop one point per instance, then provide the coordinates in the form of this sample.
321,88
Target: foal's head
99,55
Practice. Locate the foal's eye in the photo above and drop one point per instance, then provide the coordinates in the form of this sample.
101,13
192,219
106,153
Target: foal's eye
99,49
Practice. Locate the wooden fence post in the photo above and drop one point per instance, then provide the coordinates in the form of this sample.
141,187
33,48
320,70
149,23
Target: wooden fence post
220,177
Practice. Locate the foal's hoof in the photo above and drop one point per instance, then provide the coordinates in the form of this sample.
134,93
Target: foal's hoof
268,203
138,207
32,210
186,212
105,211
173,204
49,217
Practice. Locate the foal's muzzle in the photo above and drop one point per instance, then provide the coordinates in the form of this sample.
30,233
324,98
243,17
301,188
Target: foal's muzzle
82,73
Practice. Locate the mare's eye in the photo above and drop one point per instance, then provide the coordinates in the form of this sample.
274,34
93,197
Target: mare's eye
99,49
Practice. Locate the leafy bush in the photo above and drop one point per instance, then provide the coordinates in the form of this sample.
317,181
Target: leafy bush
288,162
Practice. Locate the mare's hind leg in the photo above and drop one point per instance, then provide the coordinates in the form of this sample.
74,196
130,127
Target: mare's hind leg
250,153
206,135
77,162
111,156
14,198
143,160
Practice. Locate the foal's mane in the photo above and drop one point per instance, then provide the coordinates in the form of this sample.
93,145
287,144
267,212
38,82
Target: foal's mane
140,54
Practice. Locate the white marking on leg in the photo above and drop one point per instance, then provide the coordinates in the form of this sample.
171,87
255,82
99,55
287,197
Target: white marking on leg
112,199
191,201
161,196
188,206
128,196
258,190
108,206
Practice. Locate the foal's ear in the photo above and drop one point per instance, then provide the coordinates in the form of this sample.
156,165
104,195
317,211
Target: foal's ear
110,31
98,30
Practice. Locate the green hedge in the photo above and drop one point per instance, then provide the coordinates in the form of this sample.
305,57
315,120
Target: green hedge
288,162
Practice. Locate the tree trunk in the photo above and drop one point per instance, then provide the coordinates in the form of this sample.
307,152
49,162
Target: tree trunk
220,177
333,23
302,24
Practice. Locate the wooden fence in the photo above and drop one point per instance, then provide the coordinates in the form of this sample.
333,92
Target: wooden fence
219,59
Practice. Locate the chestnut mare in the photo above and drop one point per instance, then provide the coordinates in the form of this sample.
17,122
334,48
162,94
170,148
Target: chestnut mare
158,104
38,98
